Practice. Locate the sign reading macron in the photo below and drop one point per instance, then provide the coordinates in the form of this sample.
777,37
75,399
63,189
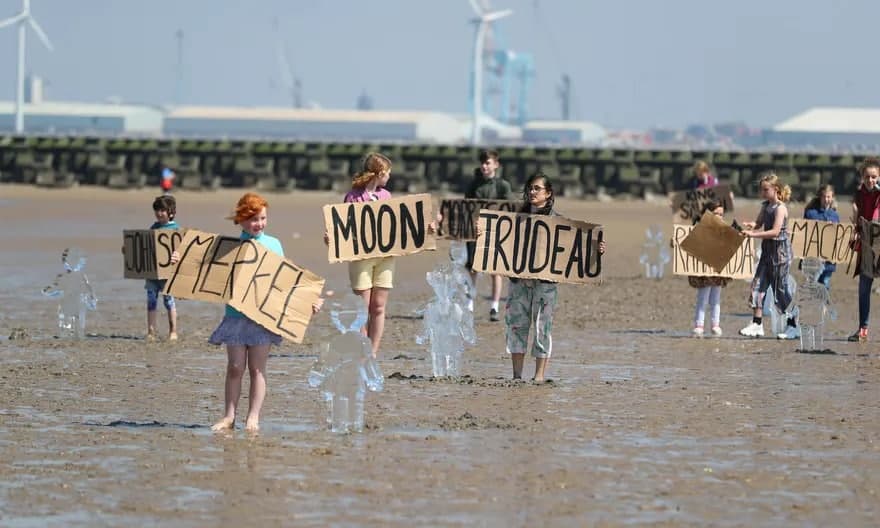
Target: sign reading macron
538,247
393,227
266,287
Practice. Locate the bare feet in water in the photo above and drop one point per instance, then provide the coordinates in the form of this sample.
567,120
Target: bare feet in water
252,426
172,336
225,424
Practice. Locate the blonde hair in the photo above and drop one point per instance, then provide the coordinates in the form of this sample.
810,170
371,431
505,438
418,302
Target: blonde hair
783,191
372,166
816,202
700,167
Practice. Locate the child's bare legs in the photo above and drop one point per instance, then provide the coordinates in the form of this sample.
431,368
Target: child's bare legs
172,324
517,360
375,300
151,324
237,357
257,357
540,367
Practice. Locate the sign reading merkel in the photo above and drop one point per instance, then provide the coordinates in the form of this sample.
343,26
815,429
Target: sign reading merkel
266,287
393,227
538,247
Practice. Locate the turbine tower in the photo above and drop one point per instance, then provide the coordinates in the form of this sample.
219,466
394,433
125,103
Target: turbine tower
22,19
484,18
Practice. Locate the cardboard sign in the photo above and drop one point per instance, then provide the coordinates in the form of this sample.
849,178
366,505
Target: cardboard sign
712,242
398,226
459,216
688,205
740,266
268,288
146,253
538,247
823,240
870,248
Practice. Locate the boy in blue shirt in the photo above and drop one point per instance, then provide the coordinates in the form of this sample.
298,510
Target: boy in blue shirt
165,209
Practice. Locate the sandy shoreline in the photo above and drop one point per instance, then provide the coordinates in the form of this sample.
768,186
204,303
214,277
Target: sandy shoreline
642,424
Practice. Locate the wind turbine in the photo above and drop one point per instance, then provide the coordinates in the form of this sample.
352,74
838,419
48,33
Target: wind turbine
22,19
289,81
483,20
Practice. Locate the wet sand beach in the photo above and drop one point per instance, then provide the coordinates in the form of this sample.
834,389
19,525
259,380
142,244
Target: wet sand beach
641,425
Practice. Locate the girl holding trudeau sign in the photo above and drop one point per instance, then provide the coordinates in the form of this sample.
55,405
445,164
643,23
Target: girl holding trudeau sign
866,206
247,343
372,279
708,288
773,267
824,209
530,302
165,209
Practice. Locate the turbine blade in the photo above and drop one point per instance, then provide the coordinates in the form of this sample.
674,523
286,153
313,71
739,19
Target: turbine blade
40,33
476,7
10,21
492,17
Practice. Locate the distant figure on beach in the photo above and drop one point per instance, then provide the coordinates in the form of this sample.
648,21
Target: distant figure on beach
165,209
167,181
703,177
823,208
487,185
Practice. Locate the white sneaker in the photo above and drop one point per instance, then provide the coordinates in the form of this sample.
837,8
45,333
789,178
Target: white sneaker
753,330
716,331
698,331
792,332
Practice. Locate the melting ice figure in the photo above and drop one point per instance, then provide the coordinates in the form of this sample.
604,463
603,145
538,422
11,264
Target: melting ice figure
448,323
345,367
814,304
655,253
75,294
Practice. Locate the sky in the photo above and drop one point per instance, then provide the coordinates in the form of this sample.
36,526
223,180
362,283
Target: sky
633,63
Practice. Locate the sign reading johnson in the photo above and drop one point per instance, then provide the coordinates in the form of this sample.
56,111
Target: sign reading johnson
146,253
538,247
268,288
393,227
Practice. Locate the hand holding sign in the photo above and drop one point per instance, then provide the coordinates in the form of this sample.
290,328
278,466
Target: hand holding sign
712,241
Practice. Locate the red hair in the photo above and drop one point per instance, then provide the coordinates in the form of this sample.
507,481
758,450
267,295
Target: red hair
248,205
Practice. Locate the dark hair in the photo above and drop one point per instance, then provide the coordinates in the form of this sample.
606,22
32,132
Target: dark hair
711,205
166,203
868,163
548,185
486,155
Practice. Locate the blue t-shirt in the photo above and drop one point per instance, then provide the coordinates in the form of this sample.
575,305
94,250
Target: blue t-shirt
824,215
269,242
170,225
156,284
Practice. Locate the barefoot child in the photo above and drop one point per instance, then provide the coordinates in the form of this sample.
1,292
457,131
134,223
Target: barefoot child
165,209
531,302
247,343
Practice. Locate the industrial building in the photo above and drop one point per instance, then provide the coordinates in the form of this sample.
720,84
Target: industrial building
829,129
